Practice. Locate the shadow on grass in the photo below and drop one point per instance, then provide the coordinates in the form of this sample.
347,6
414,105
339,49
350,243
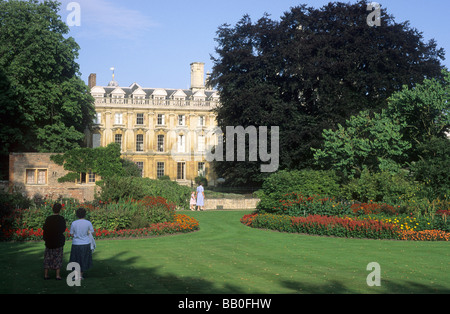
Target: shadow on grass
387,287
23,273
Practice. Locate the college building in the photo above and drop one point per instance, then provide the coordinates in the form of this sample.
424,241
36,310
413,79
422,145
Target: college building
166,132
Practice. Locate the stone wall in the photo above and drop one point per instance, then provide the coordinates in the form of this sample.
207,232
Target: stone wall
224,203
44,181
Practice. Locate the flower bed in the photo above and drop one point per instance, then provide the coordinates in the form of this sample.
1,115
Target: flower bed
182,224
341,227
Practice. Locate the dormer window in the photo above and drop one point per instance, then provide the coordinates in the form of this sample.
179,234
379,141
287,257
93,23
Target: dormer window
159,96
138,95
117,96
179,98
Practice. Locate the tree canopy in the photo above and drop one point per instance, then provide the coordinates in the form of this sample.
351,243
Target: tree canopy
47,104
311,70
104,161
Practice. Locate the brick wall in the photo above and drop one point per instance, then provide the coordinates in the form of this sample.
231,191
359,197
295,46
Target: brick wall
44,181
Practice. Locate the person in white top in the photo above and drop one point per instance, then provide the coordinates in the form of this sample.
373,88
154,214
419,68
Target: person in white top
81,252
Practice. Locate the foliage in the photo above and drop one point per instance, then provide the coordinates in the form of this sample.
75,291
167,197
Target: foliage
293,204
305,182
424,110
13,200
382,187
115,188
45,93
125,218
433,167
103,161
202,180
367,141
130,168
132,213
310,71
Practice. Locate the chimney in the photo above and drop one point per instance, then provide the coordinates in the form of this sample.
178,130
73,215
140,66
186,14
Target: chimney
197,76
92,80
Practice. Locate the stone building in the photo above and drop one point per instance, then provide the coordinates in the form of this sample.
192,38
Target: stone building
35,175
166,132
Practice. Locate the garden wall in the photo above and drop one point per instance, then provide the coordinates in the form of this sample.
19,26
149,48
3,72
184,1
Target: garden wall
223,203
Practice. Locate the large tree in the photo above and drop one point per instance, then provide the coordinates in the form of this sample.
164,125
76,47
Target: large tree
47,99
311,70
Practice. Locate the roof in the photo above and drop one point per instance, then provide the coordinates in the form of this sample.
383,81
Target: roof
168,93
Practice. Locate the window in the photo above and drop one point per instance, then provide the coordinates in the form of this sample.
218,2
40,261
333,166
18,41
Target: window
181,144
140,165
201,143
181,167
88,177
36,176
96,140
98,118
201,169
91,177
160,143
161,120
139,118
118,118
139,143
201,121
118,140
181,119
159,169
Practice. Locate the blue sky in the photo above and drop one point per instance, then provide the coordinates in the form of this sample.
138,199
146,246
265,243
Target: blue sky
153,42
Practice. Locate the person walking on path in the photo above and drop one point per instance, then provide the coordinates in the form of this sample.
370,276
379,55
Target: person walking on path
200,197
54,228
81,252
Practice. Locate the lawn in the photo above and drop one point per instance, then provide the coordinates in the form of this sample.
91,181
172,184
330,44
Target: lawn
228,257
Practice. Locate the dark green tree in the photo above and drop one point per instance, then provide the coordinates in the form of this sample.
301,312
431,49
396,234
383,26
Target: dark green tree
50,103
310,71
433,167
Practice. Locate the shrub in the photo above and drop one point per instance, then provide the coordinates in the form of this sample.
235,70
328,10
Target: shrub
116,188
432,168
294,204
381,187
131,213
305,182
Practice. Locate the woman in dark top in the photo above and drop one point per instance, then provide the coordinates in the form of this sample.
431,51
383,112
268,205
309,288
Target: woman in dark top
54,228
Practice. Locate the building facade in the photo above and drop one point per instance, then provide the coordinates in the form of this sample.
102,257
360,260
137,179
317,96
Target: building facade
35,175
166,132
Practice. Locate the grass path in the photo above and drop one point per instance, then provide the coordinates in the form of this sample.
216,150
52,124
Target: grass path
228,257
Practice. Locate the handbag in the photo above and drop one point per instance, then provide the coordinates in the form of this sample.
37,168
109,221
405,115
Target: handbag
93,245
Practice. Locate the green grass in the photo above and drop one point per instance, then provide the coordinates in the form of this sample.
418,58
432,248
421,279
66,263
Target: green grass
228,257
